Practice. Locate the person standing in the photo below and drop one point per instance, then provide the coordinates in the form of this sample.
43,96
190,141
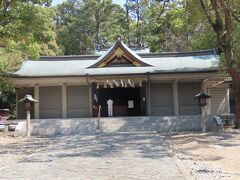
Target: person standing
110,107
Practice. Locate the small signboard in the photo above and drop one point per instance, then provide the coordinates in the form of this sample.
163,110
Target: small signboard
218,120
130,104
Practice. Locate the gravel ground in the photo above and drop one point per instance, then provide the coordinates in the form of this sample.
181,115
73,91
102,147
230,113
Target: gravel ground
212,156
109,156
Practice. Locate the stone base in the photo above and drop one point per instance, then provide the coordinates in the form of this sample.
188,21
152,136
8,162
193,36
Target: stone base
86,126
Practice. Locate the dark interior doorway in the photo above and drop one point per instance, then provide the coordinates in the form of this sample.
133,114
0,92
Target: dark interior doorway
126,101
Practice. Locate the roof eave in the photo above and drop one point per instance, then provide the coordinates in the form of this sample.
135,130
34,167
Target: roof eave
85,75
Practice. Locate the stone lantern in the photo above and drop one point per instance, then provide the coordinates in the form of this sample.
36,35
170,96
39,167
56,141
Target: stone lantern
3,118
28,101
202,98
202,101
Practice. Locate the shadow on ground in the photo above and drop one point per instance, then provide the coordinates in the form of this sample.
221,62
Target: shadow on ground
105,145
214,138
188,143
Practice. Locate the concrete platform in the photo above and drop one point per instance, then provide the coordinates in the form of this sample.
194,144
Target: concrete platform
87,126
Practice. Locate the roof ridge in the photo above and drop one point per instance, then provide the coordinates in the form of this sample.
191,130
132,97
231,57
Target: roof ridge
142,55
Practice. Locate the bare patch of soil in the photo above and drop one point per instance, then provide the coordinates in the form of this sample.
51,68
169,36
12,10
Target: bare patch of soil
13,149
209,156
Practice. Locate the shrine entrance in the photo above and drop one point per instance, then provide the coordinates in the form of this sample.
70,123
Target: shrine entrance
130,101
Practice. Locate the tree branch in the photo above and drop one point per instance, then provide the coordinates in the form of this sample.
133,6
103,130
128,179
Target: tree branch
237,18
204,7
227,13
218,21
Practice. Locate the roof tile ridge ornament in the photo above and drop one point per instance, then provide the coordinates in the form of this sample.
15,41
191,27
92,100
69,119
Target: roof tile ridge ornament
119,49
119,38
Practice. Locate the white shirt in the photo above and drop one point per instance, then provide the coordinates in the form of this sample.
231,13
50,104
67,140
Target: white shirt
110,103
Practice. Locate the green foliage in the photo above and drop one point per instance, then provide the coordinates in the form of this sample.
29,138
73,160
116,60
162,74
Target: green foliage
114,25
202,36
177,26
85,25
166,27
74,28
26,31
136,9
7,95
26,27
206,36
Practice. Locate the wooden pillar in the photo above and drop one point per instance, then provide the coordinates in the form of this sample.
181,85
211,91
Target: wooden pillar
28,125
204,108
64,101
90,101
227,99
36,105
16,92
175,98
209,102
148,89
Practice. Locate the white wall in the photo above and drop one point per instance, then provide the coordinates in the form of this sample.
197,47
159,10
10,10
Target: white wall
161,99
50,102
78,101
219,100
187,104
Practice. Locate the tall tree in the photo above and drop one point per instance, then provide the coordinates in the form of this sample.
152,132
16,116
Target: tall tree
224,17
114,26
27,26
102,10
200,32
26,31
75,28
86,25
134,10
166,27
127,17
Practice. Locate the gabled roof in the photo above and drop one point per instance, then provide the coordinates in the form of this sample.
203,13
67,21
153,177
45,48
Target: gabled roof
92,65
119,54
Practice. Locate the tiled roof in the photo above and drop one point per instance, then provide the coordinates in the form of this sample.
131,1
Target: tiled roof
198,61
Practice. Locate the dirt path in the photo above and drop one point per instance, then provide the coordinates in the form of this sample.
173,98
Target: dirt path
209,156
112,156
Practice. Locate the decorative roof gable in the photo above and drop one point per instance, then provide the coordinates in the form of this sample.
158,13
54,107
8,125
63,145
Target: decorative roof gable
119,55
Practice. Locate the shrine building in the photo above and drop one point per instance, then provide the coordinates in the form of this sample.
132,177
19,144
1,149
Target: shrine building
146,84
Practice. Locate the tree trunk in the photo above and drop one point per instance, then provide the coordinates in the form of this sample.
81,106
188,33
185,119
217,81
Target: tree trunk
235,75
97,19
97,27
128,22
219,14
138,22
236,89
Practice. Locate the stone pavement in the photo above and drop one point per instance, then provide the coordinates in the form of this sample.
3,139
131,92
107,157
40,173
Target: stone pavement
107,156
